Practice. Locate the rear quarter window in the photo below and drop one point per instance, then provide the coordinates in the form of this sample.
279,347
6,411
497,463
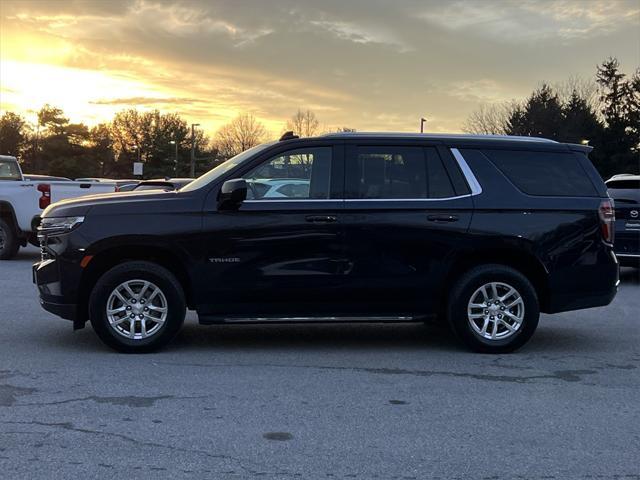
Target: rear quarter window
544,173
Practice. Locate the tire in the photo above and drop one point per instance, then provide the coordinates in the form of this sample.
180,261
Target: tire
9,243
115,329
515,320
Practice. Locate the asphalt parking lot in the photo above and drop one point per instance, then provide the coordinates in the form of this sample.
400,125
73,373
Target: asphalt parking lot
321,401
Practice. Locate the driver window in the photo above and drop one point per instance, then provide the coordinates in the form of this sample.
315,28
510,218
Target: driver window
295,174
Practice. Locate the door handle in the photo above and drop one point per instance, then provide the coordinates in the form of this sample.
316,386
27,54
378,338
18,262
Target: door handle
320,218
442,218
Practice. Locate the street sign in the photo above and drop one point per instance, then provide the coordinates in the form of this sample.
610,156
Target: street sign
137,168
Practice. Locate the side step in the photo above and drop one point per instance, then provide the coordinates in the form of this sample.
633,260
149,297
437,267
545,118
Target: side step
225,319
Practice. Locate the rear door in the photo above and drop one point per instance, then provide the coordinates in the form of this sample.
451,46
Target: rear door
407,208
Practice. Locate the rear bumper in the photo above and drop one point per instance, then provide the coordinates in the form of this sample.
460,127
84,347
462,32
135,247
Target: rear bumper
585,286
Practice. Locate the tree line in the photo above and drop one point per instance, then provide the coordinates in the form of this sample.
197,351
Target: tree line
603,112
162,141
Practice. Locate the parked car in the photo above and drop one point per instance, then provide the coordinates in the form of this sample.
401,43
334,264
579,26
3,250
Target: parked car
483,231
127,186
166,185
22,201
44,178
277,188
94,180
625,191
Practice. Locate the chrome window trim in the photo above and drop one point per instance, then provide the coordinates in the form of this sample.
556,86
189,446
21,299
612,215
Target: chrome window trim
628,255
476,188
474,185
404,199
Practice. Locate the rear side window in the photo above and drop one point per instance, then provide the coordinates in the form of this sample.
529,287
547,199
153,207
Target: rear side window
544,173
396,172
437,177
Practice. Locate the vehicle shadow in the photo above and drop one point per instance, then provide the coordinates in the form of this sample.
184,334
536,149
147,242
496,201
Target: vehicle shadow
430,338
360,336
630,275
29,253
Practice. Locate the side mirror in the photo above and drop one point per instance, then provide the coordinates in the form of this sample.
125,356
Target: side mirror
232,194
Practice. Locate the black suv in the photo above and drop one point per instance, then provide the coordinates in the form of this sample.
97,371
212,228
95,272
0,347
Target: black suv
485,232
625,191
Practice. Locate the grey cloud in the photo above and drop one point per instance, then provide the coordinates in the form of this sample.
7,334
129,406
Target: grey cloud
362,63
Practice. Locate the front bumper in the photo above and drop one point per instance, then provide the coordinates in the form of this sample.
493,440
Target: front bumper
47,278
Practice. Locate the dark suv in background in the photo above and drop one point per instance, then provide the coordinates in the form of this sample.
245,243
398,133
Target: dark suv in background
485,232
625,191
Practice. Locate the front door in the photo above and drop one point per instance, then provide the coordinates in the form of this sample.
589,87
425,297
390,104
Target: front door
407,210
282,253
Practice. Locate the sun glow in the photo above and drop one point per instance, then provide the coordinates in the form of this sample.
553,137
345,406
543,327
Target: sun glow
27,86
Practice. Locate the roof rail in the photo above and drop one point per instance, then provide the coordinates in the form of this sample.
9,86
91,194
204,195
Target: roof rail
437,136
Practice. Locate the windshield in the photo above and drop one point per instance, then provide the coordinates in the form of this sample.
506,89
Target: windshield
223,168
9,170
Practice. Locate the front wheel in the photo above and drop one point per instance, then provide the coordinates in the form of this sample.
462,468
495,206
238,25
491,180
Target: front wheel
137,307
493,309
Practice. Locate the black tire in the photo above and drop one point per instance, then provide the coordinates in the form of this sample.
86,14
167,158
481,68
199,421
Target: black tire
137,270
9,242
462,293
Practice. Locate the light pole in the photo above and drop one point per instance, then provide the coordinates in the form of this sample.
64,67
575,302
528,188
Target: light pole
422,122
175,161
193,149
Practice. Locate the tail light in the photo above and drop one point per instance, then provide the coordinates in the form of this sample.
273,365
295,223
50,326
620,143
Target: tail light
607,215
45,195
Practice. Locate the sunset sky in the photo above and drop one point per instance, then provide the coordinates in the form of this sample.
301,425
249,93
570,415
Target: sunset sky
365,64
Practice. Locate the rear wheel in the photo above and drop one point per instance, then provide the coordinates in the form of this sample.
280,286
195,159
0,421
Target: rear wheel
493,309
137,307
9,244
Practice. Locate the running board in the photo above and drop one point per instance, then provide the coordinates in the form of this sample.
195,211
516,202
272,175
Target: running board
214,319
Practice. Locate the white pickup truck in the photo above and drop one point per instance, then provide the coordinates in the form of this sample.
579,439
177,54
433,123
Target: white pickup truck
22,202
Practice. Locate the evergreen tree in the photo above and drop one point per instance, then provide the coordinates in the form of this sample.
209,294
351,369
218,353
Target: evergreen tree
540,116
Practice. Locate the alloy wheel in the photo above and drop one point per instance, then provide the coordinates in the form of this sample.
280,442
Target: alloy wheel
495,311
137,309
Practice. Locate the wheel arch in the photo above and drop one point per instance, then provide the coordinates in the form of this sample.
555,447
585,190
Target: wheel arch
7,213
107,259
524,262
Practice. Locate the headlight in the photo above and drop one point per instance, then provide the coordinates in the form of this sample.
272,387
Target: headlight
58,225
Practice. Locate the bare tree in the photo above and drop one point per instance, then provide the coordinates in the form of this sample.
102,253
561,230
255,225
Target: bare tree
304,123
490,119
242,133
584,88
